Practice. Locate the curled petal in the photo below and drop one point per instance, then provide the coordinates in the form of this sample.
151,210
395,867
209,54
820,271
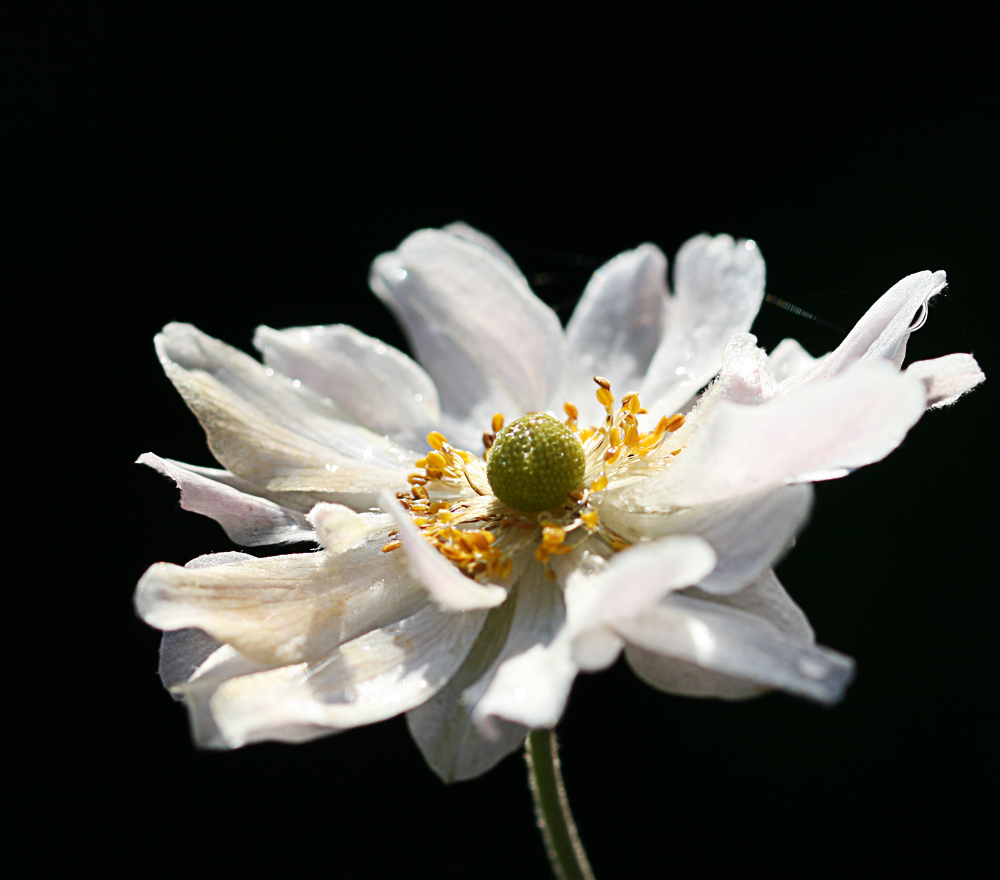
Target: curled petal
947,378
447,586
882,332
489,344
247,519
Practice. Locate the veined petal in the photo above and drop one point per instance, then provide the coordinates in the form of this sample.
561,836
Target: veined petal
274,435
487,341
719,286
616,327
445,584
443,727
749,533
947,378
882,332
745,646
371,383
376,676
284,609
247,519
823,429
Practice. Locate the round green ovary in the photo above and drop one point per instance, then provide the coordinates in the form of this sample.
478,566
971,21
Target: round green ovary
535,462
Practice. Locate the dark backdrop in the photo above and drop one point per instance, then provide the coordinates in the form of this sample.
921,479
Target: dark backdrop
238,169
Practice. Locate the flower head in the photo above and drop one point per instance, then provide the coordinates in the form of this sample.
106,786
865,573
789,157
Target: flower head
524,503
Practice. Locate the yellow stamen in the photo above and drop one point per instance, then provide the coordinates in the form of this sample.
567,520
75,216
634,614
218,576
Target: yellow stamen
600,483
497,422
436,440
392,545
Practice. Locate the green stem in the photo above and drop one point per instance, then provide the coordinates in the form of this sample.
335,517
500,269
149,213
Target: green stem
566,855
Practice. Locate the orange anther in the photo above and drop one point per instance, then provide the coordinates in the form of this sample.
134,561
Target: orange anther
392,545
497,422
436,440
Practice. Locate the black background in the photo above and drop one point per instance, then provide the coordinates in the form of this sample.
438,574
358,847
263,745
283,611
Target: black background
244,168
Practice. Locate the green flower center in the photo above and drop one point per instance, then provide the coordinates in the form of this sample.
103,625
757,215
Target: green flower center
534,463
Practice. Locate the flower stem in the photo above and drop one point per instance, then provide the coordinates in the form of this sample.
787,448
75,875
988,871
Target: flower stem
562,842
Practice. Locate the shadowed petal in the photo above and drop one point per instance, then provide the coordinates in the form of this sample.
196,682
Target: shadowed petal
443,727
749,533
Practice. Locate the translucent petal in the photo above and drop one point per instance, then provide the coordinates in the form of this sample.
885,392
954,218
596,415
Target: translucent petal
947,378
882,332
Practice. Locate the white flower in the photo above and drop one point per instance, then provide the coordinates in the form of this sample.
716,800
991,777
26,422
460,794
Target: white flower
432,597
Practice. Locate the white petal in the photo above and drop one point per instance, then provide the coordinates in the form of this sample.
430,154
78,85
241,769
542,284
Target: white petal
377,676
284,609
616,327
489,344
637,578
338,528
844,422
443,727
719,286
531,688
247,519
749,533
744,375
371,383
882,332
947,378
447,586
274,435
486,242
737,644
789,359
